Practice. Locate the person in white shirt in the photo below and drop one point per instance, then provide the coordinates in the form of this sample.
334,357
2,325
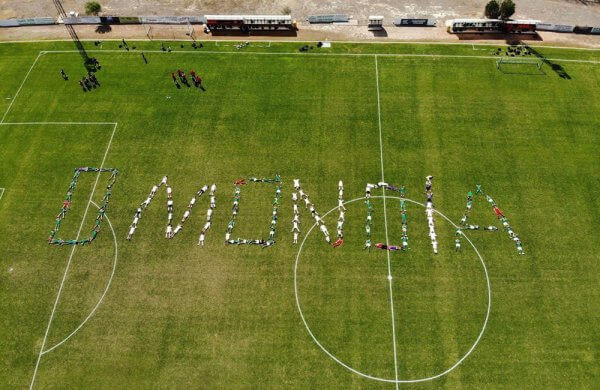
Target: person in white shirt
177,229
168,232
206,226
201,239
213,188
295,237
296,183
164,180
209,214
153,191
341,204
169,192
296,209
324,229
295,228
294,196
131,231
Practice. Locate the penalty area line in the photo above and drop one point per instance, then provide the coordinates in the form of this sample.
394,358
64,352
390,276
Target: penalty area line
21,86
64,277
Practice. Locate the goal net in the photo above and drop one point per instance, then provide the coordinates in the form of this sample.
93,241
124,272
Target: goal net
519,64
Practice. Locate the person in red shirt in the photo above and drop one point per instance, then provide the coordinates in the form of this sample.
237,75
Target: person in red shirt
497,211
338,242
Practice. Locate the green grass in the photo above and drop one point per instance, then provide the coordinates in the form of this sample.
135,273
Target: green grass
180,316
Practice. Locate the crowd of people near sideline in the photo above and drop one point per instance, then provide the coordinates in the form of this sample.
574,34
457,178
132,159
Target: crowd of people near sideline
170,232
181,78
235,209
300,195
89,82
67,203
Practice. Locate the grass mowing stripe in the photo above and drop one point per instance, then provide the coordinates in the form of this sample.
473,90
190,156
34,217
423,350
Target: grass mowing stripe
62,283
387,240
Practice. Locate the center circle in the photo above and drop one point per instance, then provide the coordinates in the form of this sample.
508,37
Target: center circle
391,380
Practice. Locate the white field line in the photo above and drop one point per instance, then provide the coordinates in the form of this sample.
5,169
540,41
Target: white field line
21,86
62,283
1,192
318,54
491,44
387,240
57,123
112,274
388,380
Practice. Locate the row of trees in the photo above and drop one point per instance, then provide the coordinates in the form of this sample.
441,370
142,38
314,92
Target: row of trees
504,10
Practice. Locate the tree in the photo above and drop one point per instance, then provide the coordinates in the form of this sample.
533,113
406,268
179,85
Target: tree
507,9
492,9
92,7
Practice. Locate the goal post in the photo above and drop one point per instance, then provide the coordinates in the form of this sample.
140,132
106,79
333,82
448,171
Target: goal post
537,62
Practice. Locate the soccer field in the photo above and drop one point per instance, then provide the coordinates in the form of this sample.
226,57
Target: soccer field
153,312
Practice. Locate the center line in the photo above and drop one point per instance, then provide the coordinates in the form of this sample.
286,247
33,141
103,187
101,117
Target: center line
387,240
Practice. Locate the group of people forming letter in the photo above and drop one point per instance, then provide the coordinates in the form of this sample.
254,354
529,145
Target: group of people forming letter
300,195
235,209
169,231
67,203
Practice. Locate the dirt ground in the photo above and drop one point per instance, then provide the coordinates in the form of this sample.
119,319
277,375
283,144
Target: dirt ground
305,33
582,12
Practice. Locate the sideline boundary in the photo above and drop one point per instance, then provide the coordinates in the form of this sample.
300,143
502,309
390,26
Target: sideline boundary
62,283
303,41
